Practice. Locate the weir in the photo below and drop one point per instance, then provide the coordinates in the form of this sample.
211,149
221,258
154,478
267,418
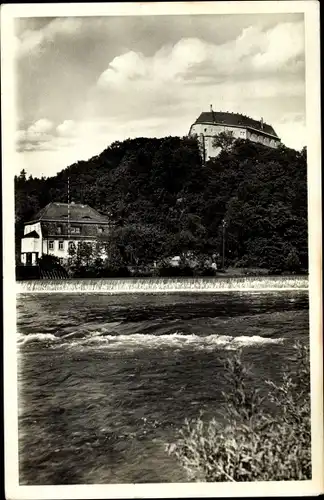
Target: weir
161,285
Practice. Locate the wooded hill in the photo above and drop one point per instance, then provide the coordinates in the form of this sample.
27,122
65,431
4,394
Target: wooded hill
165,202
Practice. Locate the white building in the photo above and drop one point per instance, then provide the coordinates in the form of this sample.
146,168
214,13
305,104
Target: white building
57,227
209,124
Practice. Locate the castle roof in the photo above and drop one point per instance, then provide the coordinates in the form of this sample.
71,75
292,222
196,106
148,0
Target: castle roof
75,212
235,119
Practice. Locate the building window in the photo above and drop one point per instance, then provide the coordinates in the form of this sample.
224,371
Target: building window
100,229
75,230
72,245
61,245
59,229
51,245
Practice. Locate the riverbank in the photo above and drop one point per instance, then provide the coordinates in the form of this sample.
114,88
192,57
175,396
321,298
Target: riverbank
168,285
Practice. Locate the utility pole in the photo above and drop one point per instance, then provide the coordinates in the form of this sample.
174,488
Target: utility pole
68,208
224,224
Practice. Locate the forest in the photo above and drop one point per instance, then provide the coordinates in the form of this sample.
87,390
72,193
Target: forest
165,201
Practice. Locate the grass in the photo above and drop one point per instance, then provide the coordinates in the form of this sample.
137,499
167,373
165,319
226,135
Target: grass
256,443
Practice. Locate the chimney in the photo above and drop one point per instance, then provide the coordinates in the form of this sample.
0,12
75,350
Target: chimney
212,113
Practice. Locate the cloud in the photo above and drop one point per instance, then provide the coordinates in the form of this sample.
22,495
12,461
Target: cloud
67,129
185,77
35,135
85,139
33,40
42,135
155,89
254,52
283,46
251,74
294,134
41,126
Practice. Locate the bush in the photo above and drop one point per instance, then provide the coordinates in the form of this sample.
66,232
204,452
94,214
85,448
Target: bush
175,271
255,444
207,271
292,261
49,262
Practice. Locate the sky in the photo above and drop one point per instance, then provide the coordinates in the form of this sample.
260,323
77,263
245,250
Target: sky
84,82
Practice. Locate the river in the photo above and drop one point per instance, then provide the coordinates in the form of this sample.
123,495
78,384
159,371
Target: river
106,380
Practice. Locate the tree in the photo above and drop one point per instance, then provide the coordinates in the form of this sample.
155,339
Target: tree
292,261
164,202
224,140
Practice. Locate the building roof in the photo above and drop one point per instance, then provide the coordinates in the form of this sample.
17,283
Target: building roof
74,212
32,234
235,119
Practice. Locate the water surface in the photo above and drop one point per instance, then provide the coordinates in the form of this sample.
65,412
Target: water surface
105,380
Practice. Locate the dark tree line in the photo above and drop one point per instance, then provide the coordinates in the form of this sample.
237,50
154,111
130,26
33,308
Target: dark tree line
164,201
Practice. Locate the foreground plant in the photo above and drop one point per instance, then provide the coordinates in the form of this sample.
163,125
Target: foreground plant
256,443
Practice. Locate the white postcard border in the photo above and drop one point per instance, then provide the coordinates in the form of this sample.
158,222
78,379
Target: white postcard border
298,488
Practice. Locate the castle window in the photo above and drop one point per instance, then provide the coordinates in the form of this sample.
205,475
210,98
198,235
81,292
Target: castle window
61,245
75,230
51,245
205,130
71,245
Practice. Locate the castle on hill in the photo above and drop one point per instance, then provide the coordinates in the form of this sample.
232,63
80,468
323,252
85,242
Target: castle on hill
209,124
